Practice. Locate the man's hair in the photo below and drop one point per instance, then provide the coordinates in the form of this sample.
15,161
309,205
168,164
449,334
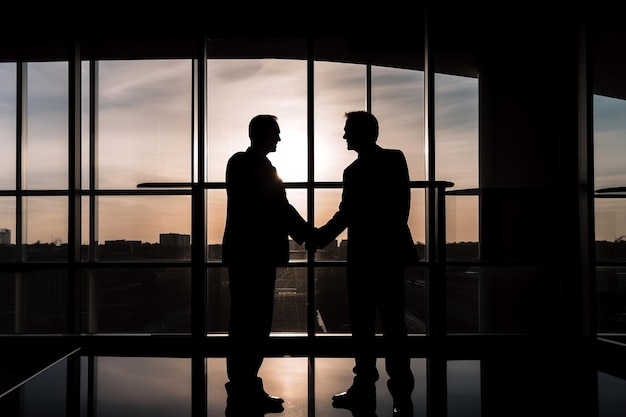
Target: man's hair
261,125
365,122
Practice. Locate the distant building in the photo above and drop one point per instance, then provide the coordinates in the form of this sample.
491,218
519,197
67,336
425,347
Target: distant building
175,239
5,237
175,245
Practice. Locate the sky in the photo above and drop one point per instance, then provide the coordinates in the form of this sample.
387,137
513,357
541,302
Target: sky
145,133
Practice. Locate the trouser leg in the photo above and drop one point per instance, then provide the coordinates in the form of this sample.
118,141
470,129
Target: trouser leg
395,338
252,304
362,321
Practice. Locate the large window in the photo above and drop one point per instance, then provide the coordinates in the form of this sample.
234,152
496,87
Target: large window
139,156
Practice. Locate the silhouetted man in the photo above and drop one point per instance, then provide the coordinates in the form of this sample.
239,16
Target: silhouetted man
258,222
375,208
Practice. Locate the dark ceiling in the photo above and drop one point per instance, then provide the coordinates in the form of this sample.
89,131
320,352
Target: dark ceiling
460,34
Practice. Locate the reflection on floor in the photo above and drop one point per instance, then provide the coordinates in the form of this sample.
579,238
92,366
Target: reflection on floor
160,387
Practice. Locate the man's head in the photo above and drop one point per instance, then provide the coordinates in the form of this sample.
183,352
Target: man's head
264,133
361,130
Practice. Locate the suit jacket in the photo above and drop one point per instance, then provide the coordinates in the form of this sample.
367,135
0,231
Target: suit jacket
375,208
259,217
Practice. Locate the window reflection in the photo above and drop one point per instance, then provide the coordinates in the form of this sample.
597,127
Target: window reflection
160,386
464,393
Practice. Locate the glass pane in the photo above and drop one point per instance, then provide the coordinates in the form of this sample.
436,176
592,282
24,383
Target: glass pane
611,299
7,302
8,104
416,312
144,122
216,213
338,88
609,125
84,229
326,204
46,393
456,116
135,227
464,394
398,104
463,295
46,142
85,121
160,386
7,229
290,300
462,227
137,300
239,89
297,198
611,399
46,228
501,299
40,300
216,203
218,301
609,148
610,227
456,154
331,298
417,218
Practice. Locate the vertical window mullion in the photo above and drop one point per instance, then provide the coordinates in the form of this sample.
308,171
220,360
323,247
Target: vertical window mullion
21,125
311,303
74,186
368,87
93,148
74,154
198,205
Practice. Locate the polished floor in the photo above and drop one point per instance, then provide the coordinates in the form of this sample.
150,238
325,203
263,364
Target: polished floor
113,386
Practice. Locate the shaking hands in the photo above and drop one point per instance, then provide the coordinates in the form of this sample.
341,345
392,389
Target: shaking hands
318,238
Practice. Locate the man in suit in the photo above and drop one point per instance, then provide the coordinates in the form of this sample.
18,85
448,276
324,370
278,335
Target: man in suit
375,208
259,219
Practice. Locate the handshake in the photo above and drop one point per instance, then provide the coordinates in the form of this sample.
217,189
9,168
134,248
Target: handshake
316,239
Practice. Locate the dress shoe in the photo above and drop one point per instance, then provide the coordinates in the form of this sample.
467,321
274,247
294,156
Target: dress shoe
253,405
356,399
403,408
271,403
251,398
